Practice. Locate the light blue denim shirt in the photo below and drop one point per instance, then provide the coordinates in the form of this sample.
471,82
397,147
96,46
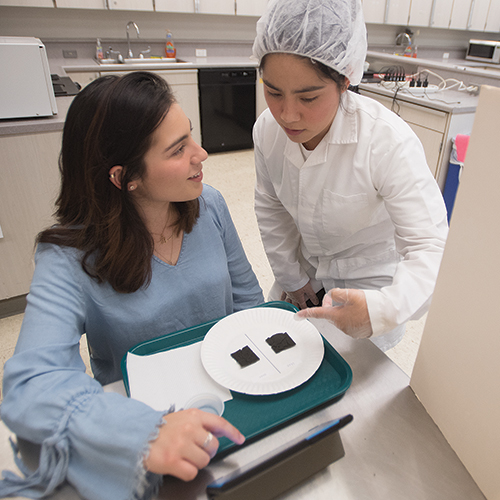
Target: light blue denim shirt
95,440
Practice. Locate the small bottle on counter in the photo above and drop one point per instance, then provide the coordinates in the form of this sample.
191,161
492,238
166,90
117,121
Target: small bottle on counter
98,50
169,46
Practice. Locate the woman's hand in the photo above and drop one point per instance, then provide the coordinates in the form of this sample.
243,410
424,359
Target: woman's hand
300,296
346,309
187,441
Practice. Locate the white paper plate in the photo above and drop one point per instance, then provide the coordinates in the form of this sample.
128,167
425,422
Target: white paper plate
273,373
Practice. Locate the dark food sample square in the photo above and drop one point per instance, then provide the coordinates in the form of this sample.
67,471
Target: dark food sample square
245,357
280,342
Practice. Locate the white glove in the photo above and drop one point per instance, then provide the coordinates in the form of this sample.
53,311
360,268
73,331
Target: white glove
346,308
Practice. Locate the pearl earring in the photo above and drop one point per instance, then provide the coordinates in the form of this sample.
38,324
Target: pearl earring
131,188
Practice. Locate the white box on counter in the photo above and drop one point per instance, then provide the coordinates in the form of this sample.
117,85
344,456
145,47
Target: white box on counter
26,89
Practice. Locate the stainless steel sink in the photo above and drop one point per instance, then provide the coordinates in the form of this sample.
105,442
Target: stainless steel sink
144,60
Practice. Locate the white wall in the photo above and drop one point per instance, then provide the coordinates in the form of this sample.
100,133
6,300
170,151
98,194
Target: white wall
77,24
457,371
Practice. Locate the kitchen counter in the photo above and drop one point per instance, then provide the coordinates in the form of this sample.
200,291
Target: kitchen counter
449,101
14,126
393,449
64,66
461,68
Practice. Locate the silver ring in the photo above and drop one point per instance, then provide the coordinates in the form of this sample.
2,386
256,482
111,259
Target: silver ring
208,440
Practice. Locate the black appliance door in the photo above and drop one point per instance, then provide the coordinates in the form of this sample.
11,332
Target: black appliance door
227,108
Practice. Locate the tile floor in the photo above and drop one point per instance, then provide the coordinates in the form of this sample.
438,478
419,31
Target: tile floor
233,175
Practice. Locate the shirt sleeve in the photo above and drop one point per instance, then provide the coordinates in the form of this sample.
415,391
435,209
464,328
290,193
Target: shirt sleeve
94,440
417,210
245,286
280,236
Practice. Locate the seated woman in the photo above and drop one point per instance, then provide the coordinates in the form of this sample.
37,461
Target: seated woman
142,248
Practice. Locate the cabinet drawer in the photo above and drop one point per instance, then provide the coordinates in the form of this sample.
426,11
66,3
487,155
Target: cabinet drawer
424,117
180,76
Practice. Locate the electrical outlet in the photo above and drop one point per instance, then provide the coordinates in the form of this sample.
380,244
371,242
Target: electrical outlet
70,54
201,52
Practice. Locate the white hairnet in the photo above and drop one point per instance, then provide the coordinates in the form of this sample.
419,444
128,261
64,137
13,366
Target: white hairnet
332,32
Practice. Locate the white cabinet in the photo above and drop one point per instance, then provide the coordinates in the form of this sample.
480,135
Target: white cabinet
432,13
397,12
493,20
81,4
130,4
435,128
454,14
28,3
29,187
420,13
387,11
374,11
196,6
479,14
184,85
470,14
174,6
441,13
214,6
250,7
460,15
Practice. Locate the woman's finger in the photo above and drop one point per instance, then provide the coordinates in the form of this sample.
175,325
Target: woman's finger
220,427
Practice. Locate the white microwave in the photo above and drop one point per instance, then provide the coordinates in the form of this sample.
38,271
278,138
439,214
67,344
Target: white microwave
487,51
26,88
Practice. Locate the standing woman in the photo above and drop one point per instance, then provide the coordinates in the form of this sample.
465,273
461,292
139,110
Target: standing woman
141,249
344,198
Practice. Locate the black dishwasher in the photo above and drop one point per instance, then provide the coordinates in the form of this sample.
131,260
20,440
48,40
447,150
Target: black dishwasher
227,108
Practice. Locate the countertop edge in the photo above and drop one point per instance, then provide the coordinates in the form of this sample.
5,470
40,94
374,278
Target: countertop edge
24,126
462,102
455,65
188,63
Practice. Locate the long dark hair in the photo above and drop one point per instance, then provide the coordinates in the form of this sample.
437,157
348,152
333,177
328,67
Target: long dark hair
111,122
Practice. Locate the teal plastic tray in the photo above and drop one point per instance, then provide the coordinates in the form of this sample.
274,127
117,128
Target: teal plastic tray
257,416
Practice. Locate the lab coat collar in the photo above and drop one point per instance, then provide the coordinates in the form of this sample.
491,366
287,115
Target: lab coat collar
344,130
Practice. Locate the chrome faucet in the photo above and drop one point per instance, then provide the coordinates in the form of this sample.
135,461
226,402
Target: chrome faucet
399,39
131,23
404,39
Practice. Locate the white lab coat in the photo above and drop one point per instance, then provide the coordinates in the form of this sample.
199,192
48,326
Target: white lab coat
363,211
